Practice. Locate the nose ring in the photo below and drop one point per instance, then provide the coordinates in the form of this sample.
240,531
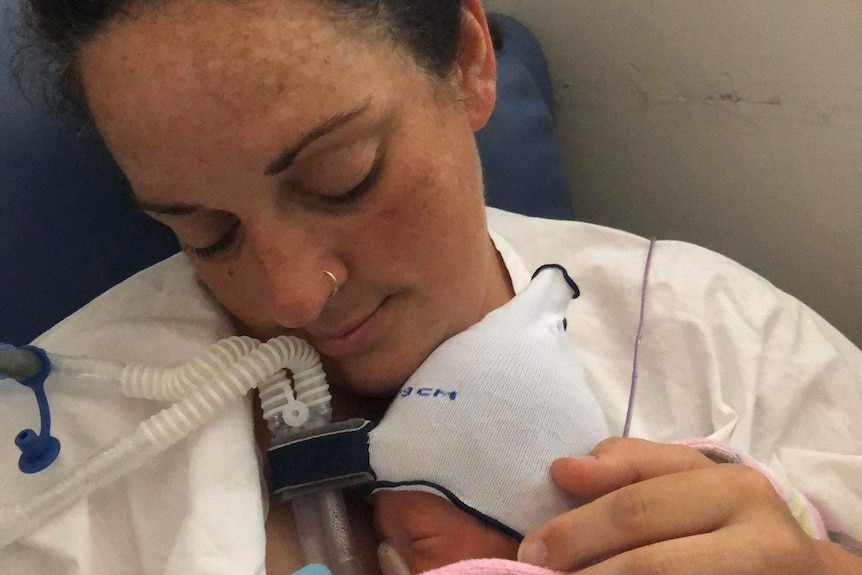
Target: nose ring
335,286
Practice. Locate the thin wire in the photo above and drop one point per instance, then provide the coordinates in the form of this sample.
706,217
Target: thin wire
628,425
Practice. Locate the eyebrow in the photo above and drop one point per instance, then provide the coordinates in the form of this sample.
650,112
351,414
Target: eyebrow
280,164
285,159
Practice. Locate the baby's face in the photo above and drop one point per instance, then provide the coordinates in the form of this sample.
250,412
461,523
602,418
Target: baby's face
429,532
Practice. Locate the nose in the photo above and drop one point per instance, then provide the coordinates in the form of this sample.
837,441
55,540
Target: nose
293,264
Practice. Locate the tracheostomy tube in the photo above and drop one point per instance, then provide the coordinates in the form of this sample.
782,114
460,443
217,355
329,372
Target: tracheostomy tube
321,516
201,388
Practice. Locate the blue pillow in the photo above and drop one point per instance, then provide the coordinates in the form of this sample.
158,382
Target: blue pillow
521,160
67,229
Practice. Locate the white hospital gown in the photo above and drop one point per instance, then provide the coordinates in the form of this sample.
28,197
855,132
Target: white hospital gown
725,355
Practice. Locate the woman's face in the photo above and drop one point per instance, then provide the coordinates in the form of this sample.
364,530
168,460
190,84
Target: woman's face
279,143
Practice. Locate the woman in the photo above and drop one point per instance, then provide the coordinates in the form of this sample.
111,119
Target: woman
317,162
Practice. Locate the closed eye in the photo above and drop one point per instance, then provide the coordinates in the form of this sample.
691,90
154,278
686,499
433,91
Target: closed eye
358,191
222,244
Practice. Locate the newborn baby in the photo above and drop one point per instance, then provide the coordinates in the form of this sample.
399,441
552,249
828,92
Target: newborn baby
462,456
461,459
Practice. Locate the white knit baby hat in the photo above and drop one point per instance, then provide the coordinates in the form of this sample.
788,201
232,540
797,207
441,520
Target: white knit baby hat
483,418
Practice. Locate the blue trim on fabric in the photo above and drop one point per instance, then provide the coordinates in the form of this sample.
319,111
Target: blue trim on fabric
576,292
487,519
332,456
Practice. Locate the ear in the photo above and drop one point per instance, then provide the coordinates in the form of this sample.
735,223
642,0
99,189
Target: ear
476,73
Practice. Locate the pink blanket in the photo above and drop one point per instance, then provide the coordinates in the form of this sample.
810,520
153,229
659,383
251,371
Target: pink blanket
491,567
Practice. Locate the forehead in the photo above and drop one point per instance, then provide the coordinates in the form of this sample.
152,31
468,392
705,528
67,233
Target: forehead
209,43
218,65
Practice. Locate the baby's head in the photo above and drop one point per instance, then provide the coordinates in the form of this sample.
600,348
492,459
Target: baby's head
427,532
462,457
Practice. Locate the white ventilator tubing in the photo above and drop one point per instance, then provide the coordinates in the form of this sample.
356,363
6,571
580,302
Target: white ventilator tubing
207,385
324,529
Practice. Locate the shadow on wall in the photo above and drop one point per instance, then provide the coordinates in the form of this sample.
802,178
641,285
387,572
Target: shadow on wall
735,126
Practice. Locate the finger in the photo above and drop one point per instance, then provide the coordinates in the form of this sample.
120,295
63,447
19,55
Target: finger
702,554
667,507
735,550
617,462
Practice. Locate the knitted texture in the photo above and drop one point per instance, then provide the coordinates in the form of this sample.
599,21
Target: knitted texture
491,567
481,420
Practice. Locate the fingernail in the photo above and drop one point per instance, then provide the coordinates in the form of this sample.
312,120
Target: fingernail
534,552
390,561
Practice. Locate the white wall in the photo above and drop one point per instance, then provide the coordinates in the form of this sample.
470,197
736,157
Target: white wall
734,124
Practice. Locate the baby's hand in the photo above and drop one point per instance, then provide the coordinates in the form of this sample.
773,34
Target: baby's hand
427,531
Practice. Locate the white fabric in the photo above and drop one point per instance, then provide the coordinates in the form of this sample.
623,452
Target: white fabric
489,409
195,509
725,355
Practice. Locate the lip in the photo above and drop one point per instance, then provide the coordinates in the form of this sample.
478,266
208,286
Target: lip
352,338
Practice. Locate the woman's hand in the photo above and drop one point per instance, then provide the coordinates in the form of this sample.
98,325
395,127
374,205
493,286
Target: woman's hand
669,510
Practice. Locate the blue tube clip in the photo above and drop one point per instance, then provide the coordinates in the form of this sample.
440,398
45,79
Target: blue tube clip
38,451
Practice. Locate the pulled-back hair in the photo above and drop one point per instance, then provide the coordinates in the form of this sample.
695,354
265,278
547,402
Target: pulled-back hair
54,31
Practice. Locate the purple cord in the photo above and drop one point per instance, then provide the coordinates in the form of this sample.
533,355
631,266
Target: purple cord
633,389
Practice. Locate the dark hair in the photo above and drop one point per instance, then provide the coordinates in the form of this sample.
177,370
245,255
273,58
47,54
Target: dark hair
54,31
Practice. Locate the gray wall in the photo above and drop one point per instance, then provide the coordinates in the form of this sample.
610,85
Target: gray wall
734,124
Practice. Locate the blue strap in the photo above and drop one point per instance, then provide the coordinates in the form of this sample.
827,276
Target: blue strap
331,457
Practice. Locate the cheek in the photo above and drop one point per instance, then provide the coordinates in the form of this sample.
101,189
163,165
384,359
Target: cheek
239,289
432,191
426,216
404,217
460,542
430,532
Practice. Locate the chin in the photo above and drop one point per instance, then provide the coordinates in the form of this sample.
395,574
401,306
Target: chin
376,379
367,384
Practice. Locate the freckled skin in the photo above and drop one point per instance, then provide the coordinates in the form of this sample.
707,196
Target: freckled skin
196,98
184,98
